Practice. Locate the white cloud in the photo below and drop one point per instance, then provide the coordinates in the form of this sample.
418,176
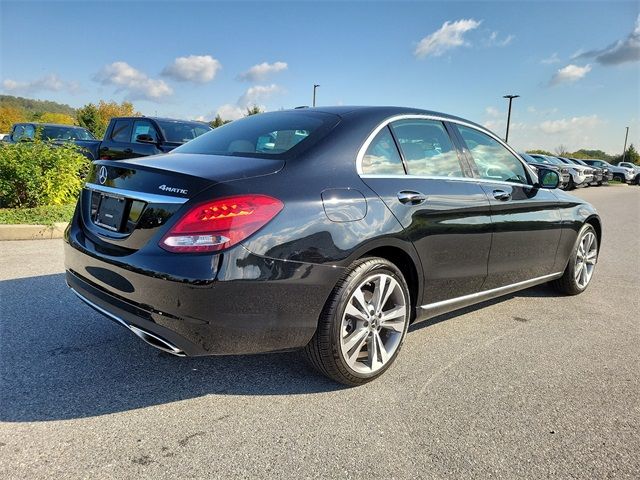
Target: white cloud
450,35
194,68
573,125
492,111
262,70
622,51
569,74
51,82
551,60
253,96
136,83
494,41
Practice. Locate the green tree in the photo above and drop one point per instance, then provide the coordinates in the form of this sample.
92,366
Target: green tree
89,118
218,122
540,152
253,110
61,118
10,115
585,153
96,118
631,155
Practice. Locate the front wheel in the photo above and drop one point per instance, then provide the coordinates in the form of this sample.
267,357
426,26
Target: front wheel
582,263
363,324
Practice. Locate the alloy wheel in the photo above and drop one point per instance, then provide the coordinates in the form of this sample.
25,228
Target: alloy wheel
373,323
586,257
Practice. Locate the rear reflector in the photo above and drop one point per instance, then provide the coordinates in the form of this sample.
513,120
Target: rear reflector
220,224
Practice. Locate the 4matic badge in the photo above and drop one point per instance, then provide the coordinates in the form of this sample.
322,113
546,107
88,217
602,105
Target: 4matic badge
164,188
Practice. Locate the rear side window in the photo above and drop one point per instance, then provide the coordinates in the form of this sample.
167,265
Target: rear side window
275,134
121,131
493,160
427,148
382,156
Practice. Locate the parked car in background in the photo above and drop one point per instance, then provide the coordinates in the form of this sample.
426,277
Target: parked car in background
126,137
607,175
622,174
537,163
328,229
54,133
129,137
579,176
636,169
597,172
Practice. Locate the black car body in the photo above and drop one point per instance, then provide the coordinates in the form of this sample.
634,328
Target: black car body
327,189
537,163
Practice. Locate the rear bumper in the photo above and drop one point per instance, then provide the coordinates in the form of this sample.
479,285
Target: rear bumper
251,304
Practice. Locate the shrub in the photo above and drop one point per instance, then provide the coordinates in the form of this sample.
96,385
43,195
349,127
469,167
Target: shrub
39,173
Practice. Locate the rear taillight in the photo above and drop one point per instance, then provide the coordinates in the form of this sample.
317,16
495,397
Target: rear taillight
220,224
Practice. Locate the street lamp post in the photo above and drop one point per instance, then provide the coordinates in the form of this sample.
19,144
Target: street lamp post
624,150
510,97
314,93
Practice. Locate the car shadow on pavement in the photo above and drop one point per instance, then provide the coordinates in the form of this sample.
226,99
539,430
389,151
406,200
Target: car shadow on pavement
59,359
540,291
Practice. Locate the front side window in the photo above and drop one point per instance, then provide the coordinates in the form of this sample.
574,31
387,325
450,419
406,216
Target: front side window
427,148
143,127
382,156
121,131
493,160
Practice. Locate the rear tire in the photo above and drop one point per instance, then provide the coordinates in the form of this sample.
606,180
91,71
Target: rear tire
363,324
582,262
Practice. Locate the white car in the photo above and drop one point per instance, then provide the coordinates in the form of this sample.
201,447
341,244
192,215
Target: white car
636,169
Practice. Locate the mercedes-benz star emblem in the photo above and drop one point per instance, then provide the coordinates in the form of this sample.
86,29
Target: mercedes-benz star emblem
102,175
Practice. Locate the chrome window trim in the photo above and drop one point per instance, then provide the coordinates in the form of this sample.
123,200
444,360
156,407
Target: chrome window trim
438,118
451,179
142,196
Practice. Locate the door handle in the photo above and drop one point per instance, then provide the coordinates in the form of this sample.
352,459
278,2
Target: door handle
501,195
411,198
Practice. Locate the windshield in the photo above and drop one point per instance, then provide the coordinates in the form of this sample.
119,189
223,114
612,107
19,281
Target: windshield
181,132
267,135
541,159
579,162
60,133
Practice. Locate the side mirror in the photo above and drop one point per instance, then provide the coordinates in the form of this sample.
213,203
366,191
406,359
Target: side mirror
145,138
548,178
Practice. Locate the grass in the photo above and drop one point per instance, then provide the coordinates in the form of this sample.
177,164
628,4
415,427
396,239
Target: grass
47,215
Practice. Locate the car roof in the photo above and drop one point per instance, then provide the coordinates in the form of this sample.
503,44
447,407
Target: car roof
164,119
50,125
379,113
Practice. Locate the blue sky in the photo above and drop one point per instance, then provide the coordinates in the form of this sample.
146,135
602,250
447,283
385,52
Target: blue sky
576,65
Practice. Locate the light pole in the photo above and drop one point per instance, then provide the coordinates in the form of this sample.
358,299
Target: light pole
510,97
314,93
624,150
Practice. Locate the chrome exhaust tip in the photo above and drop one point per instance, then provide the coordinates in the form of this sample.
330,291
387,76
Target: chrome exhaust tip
157,342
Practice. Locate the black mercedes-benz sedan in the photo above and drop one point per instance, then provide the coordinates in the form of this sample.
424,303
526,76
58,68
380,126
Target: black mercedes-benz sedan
328,230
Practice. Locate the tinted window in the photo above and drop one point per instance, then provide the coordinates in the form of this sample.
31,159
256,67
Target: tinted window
18,133
121,131
143,127
181,132
493,160
65,133
265,135
382,156
427,148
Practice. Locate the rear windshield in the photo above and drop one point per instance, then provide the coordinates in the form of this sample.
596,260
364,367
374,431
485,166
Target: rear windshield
65,133
181,132
267,135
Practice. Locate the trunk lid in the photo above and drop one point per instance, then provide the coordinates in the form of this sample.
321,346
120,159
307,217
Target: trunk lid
125,203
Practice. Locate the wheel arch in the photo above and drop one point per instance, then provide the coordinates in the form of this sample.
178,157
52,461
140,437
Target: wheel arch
406,264
595,222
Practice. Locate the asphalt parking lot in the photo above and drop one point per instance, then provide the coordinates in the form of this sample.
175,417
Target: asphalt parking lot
534,385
